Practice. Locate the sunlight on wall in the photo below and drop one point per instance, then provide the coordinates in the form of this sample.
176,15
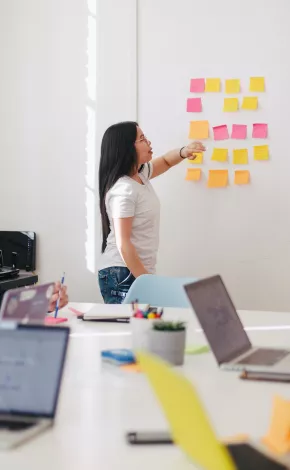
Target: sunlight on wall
91,82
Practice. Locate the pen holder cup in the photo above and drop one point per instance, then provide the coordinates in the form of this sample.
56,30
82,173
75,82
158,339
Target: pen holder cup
140,328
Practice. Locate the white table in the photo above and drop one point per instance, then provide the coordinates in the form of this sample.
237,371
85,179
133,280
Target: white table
99,405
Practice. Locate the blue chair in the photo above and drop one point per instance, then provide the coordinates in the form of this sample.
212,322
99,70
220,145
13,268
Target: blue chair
159,291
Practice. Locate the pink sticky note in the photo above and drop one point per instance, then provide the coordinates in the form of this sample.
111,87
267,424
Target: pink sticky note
194,105
54,321
220,132
197,85
239,131
260,131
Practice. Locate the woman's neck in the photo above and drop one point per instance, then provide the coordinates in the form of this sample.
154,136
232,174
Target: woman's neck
135,176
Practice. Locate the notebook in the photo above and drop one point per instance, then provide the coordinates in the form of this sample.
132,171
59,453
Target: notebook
109,312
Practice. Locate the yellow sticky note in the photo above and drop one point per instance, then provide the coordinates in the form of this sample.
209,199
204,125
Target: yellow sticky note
198,130
193,174
217,178
231,104
242,177
219,155
233,86
189,424
250,103
257,84
213,85
261,152
198,158
240,156
278,437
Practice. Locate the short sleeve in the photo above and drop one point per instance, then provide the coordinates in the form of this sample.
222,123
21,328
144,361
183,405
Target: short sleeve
147,170
121,200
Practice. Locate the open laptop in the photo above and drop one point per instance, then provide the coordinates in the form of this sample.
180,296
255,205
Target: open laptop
225,333
31,367
26,304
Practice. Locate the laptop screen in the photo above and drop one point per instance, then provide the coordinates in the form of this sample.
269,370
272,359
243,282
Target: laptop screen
218,318
31,366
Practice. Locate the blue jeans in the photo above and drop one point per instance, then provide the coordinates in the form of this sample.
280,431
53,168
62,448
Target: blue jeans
114,283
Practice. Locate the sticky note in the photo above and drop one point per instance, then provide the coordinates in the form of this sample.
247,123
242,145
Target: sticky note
217,178
194,105
233,86
219,155
131,368
189,424
260,131
261,152
250,103
197,85
239,131
197,349
231,105
242,177
278,437
193,174
198,130
257,84
212,85
198,158
220,132
240,156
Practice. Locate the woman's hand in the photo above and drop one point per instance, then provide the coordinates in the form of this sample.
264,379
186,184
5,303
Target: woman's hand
63,301
192,149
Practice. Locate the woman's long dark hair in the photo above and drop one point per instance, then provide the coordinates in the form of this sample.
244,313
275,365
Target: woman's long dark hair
118,158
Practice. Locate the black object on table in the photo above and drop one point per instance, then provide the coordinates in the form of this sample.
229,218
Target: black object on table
24,279
248,458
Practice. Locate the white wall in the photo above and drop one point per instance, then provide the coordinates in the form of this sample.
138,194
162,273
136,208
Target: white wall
43,122
242,233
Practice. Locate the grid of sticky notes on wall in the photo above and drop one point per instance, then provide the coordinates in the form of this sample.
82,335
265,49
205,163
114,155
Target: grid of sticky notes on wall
237,98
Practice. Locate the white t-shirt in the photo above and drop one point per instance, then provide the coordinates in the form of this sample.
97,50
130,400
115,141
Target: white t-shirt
128,198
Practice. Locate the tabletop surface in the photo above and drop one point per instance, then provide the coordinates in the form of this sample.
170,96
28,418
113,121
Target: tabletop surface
98,404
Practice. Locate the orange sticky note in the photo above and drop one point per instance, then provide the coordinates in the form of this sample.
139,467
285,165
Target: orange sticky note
213,85
193,174
278,437
242,177
261,152
198,130
131,368
217,178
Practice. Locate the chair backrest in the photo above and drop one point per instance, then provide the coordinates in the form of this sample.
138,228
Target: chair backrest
159,291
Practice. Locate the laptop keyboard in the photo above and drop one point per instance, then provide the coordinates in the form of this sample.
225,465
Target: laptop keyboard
14,425
264,357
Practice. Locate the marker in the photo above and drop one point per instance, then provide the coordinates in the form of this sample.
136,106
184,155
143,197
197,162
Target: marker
58,300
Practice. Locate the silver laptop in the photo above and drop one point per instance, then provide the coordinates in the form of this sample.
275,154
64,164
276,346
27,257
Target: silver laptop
31,367
26,304
225,333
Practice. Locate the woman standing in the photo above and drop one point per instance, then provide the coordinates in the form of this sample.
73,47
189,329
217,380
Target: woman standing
129,206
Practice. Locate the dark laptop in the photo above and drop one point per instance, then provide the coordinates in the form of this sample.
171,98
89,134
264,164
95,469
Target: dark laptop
225,333
31,367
